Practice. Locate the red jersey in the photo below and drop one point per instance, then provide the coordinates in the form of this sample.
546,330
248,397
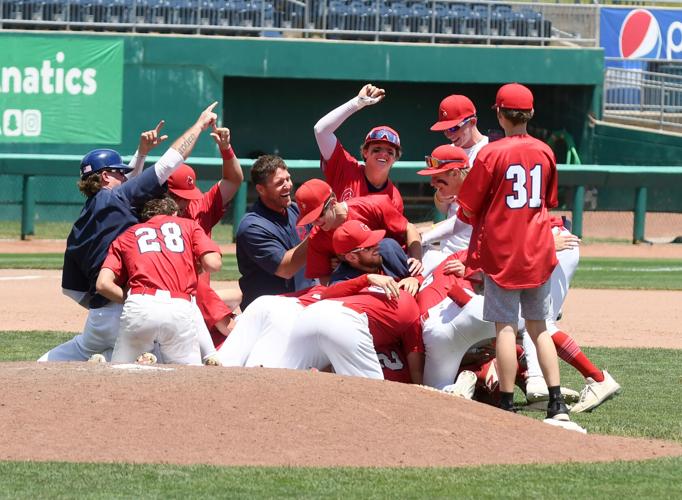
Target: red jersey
508,192
160,253
394,324
377,212
438,285
347,178
207,211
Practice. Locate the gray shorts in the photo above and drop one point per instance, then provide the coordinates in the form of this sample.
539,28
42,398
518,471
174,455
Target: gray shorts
502,305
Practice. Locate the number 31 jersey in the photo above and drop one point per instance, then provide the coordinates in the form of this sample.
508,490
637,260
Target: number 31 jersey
160,253
511,186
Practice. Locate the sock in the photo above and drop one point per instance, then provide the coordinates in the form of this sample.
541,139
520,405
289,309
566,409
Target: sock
570,351
506,400
555,394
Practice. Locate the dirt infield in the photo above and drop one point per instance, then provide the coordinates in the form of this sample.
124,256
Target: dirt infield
81,412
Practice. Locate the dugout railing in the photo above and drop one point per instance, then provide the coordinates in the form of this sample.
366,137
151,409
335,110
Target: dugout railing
639,178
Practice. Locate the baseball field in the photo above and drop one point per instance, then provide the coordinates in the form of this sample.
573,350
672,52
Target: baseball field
95,431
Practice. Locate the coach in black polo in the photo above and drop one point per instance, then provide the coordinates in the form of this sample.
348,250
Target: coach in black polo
271,250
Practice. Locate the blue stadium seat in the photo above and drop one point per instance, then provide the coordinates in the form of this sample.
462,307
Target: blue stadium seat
421,18
337,15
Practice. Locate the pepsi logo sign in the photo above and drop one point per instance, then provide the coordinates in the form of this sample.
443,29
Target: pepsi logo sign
640,36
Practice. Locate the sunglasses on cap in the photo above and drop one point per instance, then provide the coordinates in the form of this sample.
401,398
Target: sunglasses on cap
383,134
462,123
433,162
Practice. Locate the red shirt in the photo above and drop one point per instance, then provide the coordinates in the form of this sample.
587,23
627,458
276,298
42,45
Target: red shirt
207,211
376,211
160,253
508,191
347,178
394,324
437,285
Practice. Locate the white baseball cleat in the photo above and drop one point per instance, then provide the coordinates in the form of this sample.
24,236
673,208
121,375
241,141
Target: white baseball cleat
146,358
595,393
464,386
562,420
97,358
212,360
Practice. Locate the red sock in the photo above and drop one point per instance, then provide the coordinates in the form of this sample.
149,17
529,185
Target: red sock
569,351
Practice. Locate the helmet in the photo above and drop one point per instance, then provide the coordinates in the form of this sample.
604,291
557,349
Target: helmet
101,159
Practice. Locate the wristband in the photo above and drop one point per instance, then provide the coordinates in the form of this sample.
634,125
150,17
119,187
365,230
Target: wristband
228,153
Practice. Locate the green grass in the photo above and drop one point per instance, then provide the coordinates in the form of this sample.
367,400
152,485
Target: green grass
222,233
652,389
229,271
43,230
644,479
636,274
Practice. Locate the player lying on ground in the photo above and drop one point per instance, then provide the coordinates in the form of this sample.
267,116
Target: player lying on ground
156,262
108,211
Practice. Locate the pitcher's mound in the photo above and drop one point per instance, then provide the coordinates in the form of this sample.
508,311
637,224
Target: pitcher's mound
229,416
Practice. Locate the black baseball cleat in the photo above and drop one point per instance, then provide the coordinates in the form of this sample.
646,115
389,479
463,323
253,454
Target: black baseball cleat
510,408
557,407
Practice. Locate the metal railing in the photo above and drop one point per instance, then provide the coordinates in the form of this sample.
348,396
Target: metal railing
380,20
644,98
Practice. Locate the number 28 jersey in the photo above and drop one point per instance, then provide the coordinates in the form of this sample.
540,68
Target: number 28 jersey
160,253
509,190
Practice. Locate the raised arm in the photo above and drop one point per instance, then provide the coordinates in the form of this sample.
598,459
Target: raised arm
183,145
233,175
149,139
324,129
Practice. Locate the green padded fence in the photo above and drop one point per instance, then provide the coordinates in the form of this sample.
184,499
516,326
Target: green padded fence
637,178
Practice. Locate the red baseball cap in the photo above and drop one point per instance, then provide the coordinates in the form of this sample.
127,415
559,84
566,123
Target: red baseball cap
354,234
453,110
310,198
383,133
514,96
444,158
182,183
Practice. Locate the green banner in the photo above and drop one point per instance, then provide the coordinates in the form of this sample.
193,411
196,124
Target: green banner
60,90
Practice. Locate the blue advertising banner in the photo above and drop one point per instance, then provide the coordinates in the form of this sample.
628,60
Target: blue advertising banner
641,33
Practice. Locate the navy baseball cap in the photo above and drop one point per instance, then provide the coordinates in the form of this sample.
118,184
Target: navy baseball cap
102,159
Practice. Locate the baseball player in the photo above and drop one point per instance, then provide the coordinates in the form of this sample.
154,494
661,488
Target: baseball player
458,121
507,195
108,211
319,206
156,261
380,150
447,167
262,331
208,209
600,385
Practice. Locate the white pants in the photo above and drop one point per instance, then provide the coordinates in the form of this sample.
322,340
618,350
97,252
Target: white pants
448,332
432,258
329,333
262,332
158,318
99,335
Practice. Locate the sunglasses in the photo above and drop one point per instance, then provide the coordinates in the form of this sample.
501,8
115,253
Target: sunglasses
358,250
383,134
457,127
433,162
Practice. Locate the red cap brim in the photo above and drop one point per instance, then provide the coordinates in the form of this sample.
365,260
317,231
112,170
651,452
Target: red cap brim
187,194
310,216
442,126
